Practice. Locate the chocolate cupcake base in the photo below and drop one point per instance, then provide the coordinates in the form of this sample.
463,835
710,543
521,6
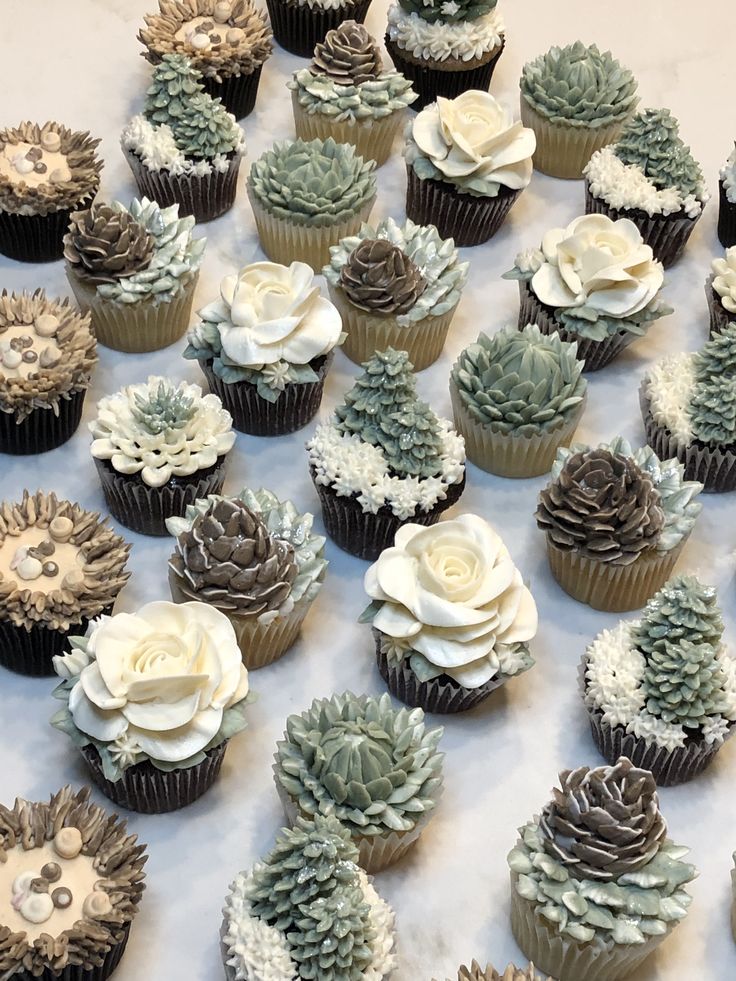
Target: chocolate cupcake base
205,197
726,218
43,429
298,28
36,238
32,652
720,318
238,92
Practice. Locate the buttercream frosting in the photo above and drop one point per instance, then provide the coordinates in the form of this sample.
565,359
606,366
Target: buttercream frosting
724,279
157,149
440,41
373,99
669,385
728,176
626,186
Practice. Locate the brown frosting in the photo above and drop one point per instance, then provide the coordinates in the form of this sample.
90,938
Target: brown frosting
63,344
603,506
83,164
348,55
379,277
248,38
117,858
104,245
512,973
97,569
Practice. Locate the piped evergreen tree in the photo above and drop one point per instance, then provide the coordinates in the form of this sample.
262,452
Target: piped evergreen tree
718,355
651,140
713,400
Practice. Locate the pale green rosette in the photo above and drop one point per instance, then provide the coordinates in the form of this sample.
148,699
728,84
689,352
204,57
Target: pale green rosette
374,99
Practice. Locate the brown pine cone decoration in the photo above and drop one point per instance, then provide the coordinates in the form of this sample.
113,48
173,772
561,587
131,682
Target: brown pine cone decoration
348,55
602,505
104,245
604,822
379,277
512,973
229,559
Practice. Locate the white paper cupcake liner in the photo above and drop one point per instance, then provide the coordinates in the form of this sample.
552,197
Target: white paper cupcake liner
564,150
373,139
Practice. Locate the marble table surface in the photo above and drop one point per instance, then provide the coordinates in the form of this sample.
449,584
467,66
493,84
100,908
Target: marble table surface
80,63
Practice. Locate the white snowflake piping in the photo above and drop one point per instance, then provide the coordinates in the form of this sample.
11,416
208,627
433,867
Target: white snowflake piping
728,177
669,385
440,41
156,147
724,279
382,920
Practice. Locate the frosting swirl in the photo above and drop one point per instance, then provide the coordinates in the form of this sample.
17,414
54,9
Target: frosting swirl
440,41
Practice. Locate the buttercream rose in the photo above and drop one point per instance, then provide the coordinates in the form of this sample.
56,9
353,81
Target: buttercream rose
599,264
452,593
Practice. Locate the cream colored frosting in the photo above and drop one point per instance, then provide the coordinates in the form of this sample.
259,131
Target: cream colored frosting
441,40
221,32
15,166
67,557
39,348
626,186
670,384
724,279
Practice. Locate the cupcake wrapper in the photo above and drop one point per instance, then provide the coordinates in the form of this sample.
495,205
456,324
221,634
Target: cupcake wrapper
366,535
32,652
204,197
292,410
509,454
286,242
667,235
43,429
467,219
568,960
298,28
563,151
145,509
145,789
368,333
719,316
77,972
431,80
596,354
37,238
238,92
373,139
726,218
136,328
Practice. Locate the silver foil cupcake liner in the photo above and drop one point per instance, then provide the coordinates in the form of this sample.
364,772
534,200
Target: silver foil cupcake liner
720,318
42,429
298,28
726,218
37,238
205,197
238,92
32,652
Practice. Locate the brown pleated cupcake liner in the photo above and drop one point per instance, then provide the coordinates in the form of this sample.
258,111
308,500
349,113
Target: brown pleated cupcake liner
596,354
145,509
568,959
366,535
373,139
726,218
299,28
146,790
295,407
666,235
43,429
367,333
37,238
286,242
467,219
720,318
564,150
238,92
32,652
205,197
432,79
78,972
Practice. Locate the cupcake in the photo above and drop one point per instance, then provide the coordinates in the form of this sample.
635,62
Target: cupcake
595,282
306,196
660,690
576,100
650,176
300,25
151,700
266,346
60,567
615,520
451,616
283,922
720,291
184,148
228,41
346,94
467,162
374,768
596,884
727,202
253,558
73,884
158,447
46,173
688,402
396,286
135,270
516,398
512,973
47,353
444,49
384,460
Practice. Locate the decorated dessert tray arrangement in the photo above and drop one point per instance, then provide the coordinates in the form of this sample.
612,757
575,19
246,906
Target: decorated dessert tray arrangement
367,488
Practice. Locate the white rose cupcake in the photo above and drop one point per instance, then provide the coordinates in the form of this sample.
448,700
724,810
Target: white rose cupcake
720,291
151,700
451,615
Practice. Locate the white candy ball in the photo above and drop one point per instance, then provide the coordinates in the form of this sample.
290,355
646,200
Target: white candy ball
235,35
29,568
200,41
222,12
37,908
12,359
51,141
46,325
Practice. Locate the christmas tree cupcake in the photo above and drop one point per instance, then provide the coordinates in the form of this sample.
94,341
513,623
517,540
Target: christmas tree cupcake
228,41
184,148
596,884
307,911
595,282
445,49
661,690
385,460
576,99
512,973
651,177
615,520
688,402
720,291
346,94
300,25
727,202
396,286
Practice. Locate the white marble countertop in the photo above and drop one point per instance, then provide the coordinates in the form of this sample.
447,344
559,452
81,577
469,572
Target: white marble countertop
80,63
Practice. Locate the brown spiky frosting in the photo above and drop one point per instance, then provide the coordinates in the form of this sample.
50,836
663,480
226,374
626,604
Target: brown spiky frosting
379,277
72,174
512,973
80,838
95,574
105,245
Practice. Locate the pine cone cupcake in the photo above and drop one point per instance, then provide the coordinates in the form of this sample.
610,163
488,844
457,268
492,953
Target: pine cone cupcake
347,56
104,245
380,278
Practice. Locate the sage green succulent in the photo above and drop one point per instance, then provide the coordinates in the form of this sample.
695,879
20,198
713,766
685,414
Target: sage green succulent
522,382
448,13
579,86
312,183
684,684
683,609
169,408
331,941
651,141
718,355
376,99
